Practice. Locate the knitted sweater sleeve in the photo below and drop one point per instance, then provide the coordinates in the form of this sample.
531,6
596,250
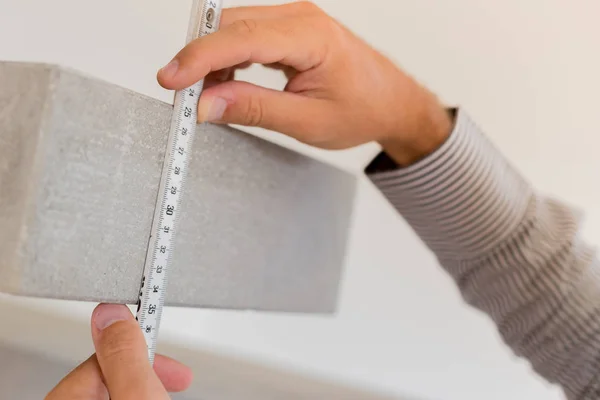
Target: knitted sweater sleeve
516,255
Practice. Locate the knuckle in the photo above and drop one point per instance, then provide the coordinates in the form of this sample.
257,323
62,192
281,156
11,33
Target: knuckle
337,35
119,344
118,350
320,23
254,112
245,26
330,25
307,6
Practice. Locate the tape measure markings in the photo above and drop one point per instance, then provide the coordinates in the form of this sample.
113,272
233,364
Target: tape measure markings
204,21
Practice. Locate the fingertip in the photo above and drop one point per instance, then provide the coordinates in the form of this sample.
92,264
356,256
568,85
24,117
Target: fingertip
184,380
161,81
175,376
166,76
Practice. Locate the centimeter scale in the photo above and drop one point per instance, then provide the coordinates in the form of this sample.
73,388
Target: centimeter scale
205,20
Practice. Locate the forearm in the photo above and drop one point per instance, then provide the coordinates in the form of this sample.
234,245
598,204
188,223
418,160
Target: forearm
514,254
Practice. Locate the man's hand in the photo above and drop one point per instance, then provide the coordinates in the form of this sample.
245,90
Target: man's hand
341,92
120,369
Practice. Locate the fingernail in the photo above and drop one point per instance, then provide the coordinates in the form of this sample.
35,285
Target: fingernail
212,110
106,315
170,69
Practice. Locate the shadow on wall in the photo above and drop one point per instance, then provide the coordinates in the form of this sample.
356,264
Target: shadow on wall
33,346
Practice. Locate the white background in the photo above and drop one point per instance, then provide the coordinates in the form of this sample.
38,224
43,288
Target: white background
526,71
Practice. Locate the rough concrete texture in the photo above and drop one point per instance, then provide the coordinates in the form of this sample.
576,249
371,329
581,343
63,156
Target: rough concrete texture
80,162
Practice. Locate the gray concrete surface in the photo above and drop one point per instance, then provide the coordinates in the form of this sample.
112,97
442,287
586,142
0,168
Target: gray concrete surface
80,161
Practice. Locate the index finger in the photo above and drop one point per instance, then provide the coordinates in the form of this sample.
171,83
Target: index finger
230,15
86,381
289,41
83,383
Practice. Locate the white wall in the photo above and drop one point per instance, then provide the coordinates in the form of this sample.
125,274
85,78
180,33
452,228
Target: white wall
527,71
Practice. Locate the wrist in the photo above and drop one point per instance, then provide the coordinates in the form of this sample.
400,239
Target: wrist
430,126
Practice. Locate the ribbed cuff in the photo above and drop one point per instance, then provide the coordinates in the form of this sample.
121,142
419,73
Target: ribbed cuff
463,199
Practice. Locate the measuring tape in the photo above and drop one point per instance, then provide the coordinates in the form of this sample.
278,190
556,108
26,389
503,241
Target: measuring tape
205,20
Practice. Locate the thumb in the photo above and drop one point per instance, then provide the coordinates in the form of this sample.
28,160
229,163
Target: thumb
123,355
242,103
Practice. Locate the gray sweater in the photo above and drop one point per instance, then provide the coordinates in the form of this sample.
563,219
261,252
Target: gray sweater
514,254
